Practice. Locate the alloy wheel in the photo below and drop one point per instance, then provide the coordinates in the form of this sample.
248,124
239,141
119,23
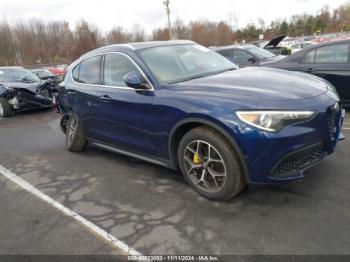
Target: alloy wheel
205,166
71,129
1,110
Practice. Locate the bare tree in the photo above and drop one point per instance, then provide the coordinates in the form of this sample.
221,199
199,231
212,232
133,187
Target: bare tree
7,44
233,20
118,35
180,30
262,24
166,3
138,33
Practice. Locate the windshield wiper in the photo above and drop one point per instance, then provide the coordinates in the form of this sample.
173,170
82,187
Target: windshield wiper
202,75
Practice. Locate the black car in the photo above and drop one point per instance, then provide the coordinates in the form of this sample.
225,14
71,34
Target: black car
21,90
247,55
330,61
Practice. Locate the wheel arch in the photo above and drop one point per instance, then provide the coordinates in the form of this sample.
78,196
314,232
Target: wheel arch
183,126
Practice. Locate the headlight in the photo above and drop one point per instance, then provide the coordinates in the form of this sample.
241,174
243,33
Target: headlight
273,121
8,88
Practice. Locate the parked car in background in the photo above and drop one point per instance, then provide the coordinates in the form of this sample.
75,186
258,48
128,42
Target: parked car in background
246,55
57,71
20,90
183,106
298,46
271,45
44,74
330,61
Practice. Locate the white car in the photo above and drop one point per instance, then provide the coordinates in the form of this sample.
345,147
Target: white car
298,46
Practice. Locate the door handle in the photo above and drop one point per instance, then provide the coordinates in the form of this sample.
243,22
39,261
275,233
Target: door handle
105,97
310,70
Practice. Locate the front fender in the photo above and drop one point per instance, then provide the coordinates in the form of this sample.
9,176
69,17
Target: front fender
215,124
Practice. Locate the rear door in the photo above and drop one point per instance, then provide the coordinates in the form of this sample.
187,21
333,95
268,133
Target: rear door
332,63
126,114
81,93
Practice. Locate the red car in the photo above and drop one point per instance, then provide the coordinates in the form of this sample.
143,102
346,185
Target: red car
56,71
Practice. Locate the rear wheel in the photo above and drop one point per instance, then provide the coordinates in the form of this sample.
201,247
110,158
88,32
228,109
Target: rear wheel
209,164
5,108
75,138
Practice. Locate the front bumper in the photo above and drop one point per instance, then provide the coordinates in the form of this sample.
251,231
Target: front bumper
277,157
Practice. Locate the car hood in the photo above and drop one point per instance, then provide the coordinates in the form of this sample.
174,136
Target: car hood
275,41
260,82
29,86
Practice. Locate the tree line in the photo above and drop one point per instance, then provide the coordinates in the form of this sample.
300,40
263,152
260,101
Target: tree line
35,41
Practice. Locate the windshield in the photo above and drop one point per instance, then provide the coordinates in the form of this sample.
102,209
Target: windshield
260,53
17,75
178,63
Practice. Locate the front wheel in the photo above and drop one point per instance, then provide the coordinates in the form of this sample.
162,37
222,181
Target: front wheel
210,164
5,108
75,137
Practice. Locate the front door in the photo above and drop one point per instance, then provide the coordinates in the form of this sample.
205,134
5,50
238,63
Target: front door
126,114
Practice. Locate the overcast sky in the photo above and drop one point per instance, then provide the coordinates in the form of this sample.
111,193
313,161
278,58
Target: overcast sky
150,13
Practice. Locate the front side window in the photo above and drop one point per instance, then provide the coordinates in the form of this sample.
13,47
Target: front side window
89,71
178,63
116,66
241,56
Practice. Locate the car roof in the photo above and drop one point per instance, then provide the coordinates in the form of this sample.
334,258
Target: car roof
346,41
11,67
137,46
232,47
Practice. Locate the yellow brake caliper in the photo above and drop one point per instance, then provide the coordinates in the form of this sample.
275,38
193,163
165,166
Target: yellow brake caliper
196,159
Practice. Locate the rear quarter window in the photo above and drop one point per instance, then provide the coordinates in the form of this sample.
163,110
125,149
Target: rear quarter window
88,71
75,73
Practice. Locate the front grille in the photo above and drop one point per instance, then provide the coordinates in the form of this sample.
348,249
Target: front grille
290,166
331,119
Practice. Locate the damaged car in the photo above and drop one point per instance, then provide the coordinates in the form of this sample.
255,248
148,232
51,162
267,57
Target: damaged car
22,90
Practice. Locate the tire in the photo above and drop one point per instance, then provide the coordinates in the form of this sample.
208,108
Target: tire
75,138
64,123
222,160
5,108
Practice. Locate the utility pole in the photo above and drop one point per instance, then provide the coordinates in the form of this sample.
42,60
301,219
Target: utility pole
167,9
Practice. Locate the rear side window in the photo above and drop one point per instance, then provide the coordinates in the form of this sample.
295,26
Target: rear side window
116,66
334,54
89,71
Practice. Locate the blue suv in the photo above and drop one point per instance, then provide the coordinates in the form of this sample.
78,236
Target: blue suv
183,106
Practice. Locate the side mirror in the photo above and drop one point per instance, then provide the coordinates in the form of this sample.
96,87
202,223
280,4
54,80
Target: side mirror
252,59
134,80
